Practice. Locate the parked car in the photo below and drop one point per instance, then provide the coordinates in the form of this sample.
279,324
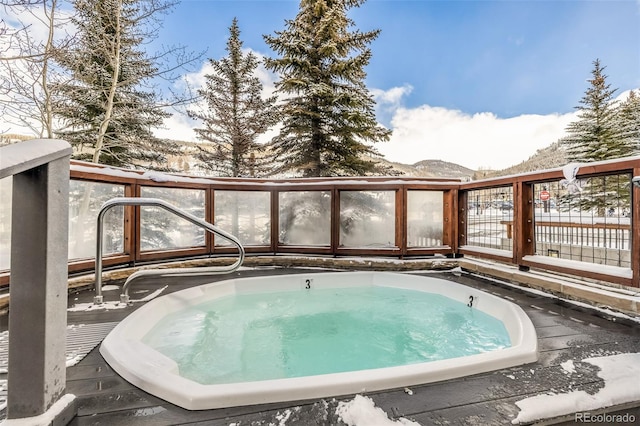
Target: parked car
503,205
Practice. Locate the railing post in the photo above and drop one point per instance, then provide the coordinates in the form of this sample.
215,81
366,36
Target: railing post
463,217
275,220
635,230
335,220
38,286
524,233
401,220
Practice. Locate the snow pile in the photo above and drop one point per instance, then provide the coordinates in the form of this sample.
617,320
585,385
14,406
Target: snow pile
361,411
85,307
74,358
620,374
283,417
110,288
158,176
568,367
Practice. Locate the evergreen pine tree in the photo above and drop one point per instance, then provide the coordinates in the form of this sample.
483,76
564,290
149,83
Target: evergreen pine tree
329,117
628,117
596,135
107,114
236,113
605,130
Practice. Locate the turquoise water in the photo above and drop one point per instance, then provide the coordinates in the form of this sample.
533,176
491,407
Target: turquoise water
307,332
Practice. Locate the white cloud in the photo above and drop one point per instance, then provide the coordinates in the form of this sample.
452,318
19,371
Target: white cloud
33,18
267,78
475,141
391,97
426,132
388,101
180,127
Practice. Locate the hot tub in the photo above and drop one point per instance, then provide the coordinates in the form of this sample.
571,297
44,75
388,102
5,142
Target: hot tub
134,350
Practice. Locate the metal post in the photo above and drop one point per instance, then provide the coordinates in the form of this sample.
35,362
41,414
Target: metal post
38,286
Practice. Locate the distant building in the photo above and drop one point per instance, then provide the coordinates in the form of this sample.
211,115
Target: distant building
9,138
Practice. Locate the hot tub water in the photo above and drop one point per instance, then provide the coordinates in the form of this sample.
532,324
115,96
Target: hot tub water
263,336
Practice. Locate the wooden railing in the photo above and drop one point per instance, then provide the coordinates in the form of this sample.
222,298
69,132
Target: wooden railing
397,216
525,228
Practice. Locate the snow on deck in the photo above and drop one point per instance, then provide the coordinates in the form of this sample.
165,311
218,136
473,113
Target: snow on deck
620,374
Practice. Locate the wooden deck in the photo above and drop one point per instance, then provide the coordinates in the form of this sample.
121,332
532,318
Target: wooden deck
564,333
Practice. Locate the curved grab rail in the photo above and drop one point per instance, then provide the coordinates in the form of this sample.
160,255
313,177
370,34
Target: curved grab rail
155,202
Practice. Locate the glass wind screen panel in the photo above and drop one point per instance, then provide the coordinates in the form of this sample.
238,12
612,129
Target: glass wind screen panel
5,223
367,219
424,218
85,201
245,214
588,220
163,230
490,218
305,218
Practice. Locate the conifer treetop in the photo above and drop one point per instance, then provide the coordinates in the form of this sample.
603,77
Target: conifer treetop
329,121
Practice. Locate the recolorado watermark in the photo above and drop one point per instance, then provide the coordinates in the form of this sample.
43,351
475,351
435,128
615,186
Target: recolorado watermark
587,417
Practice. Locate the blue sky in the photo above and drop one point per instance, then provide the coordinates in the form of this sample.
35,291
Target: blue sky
481,83
507,57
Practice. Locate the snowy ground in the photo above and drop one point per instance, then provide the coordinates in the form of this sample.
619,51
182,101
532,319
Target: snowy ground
621,375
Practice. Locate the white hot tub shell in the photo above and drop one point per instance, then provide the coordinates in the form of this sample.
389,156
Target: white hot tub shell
158,375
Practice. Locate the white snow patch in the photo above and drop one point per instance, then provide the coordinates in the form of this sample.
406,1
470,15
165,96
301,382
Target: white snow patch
73,359
620,374
80,166
85,307
615,271
110,288
487,250
282,417
568,367
158,177
361,411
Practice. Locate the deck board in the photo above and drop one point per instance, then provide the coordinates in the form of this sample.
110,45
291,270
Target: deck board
564,334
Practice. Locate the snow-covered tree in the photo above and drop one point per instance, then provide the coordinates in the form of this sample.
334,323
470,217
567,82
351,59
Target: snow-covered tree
107,109
605,130
597,134
27,65
329,120
235,113
628,117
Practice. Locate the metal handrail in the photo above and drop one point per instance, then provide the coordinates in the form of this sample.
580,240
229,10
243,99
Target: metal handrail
155,202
